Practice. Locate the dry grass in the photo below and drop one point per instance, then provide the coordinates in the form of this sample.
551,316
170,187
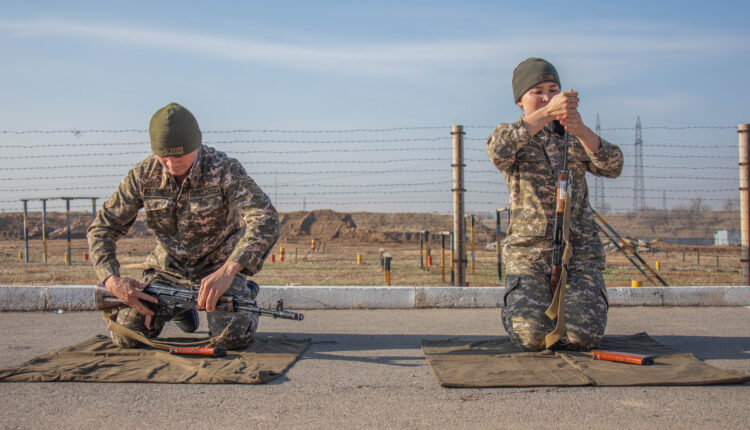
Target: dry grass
336,264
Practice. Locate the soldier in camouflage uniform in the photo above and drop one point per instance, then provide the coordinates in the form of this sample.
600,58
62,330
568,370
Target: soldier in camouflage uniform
213,226
529,154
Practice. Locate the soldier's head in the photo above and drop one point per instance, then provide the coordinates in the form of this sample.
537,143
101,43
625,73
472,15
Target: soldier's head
175,138
535,81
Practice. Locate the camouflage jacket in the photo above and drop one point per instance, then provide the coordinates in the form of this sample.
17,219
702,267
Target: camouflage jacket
217,214
530,165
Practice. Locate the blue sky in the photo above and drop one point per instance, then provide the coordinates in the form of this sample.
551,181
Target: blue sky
343,65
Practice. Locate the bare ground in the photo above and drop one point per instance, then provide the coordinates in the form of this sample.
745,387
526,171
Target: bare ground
335,263
340,237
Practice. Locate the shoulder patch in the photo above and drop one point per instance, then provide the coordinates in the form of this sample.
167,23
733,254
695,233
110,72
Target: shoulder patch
251,186
237,170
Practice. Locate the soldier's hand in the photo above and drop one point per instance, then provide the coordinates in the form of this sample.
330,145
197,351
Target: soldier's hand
563,105
216,284
129,292
574,125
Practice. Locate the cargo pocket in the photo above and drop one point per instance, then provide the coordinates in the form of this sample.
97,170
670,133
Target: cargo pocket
511,282
159,215
603,292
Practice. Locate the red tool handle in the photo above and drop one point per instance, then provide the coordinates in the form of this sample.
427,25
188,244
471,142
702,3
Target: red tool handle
209,352
623,357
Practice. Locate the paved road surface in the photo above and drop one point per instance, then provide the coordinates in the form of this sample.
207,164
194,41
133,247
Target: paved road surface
365,370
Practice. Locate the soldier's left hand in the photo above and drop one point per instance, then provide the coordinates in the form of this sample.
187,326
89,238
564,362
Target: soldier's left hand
215,285
574,124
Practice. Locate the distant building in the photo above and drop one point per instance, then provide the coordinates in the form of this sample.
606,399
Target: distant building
727,237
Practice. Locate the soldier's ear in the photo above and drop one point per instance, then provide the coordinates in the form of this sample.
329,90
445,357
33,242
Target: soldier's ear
520,105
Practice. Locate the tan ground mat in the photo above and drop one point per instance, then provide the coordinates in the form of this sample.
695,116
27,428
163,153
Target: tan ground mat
499,363
98,360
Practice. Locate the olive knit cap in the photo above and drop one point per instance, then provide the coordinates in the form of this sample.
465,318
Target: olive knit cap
531,72
174,131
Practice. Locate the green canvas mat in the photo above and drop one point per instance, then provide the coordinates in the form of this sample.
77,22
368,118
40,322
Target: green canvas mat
499,363
98,360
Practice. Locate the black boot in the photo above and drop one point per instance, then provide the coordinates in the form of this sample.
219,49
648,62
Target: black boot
187,320
254,288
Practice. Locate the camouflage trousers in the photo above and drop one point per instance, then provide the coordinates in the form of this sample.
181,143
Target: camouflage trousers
238,328
528,296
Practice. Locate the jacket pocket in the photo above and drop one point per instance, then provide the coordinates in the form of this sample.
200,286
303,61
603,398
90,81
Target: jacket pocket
206,204
159,214
511,282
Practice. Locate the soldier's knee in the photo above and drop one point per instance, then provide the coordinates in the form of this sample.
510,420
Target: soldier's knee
123,342
525,334
233,344
581,340
237,334
529,342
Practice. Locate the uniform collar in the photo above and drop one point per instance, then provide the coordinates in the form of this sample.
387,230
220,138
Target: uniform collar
195,171
193,176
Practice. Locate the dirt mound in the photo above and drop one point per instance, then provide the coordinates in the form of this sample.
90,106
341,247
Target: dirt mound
322,224
11,226
405,227
301,225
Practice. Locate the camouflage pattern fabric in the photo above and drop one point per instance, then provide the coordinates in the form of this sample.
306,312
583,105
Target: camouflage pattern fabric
528,296
217,214
237,328
530,165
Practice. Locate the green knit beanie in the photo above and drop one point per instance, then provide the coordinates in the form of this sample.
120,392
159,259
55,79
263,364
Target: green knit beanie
174,131
531,72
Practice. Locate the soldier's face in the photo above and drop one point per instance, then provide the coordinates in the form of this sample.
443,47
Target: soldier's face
538,97
178,166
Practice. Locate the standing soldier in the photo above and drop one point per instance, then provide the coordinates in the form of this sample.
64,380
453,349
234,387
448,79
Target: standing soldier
213,225
529,154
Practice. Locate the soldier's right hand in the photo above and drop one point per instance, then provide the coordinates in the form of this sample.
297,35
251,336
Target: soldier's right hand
129,292
563,105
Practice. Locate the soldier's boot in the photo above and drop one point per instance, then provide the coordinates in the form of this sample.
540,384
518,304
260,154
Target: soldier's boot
254,288
187,320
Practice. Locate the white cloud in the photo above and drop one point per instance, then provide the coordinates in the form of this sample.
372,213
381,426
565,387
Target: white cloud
611,53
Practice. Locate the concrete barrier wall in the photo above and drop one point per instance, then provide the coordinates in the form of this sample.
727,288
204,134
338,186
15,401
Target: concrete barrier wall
81,297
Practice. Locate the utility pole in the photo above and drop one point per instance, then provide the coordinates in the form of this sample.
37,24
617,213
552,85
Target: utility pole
459,230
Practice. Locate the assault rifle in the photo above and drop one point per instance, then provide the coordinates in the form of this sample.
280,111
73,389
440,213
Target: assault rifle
180,298
562,194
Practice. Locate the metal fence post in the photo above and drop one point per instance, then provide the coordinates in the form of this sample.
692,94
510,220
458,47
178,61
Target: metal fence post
44,230
25,231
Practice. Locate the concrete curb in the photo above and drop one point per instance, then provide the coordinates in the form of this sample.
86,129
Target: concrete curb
81,297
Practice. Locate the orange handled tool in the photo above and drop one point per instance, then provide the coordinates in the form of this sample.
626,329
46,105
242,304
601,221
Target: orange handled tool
623,357
209,352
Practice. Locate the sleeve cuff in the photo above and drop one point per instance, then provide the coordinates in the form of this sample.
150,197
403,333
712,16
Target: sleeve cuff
606,151
105,271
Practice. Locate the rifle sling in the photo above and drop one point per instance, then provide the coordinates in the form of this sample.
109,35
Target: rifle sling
109,316
556,308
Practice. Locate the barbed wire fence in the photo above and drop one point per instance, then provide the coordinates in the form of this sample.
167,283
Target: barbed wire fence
399,169
689,174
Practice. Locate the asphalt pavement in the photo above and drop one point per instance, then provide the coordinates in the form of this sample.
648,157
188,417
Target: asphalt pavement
365,369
